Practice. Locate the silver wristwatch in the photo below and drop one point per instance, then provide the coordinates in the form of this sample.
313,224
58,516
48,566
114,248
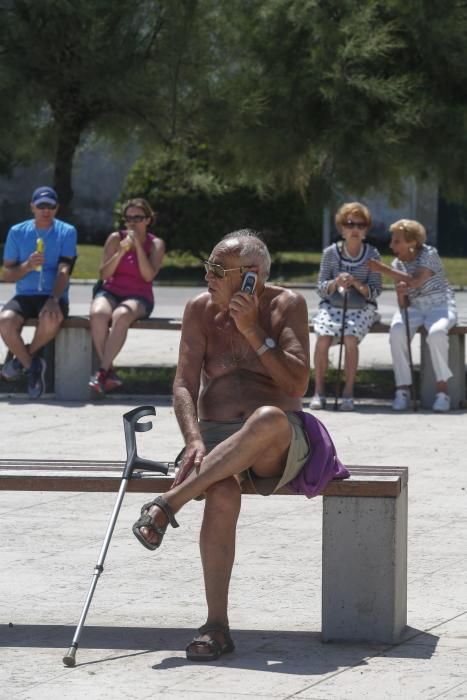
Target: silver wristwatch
269,344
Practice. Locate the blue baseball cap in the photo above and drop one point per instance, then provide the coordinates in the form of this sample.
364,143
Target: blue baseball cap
44,195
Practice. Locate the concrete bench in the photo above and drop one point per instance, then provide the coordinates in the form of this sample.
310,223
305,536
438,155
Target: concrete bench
74,360
364,565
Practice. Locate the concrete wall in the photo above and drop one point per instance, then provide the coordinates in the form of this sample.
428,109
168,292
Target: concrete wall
98,177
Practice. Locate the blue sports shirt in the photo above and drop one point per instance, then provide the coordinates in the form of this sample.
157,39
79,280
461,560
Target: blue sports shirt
59,240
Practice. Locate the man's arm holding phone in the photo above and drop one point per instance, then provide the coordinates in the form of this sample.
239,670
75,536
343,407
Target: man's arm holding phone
286,357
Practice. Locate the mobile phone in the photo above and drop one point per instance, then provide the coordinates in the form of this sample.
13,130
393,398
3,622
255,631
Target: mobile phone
249,282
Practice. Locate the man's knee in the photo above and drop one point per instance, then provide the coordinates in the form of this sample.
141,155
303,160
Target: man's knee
49,324
10,323
269,421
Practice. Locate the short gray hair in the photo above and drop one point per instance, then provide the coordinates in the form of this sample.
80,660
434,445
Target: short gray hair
250,248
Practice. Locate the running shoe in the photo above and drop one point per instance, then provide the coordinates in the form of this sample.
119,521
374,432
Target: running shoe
12,369
347,404
36,377
97,381
112,380
401,400
442,403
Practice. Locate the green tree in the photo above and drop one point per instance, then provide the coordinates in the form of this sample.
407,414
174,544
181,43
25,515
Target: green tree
108,65
323,94
195,207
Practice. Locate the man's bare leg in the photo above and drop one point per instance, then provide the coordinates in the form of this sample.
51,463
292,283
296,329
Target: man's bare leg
262,443
217,546
11,325
47,329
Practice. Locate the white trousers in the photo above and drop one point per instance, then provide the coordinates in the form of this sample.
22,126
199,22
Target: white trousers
437,321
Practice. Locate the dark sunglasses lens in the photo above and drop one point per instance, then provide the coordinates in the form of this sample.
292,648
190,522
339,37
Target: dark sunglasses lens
43,205
355,224
136,219
216,270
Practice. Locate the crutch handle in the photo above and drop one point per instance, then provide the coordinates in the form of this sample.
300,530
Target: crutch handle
131,426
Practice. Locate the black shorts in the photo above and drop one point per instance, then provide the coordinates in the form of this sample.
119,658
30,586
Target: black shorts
117,300
29,306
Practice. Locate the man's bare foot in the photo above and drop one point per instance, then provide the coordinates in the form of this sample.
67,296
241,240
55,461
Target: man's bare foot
160,520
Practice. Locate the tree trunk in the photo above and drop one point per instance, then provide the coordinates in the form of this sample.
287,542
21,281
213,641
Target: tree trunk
69,132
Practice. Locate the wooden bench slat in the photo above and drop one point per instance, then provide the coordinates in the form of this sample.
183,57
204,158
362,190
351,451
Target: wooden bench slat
88,475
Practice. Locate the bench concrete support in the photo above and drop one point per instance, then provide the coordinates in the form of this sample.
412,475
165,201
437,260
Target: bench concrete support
456,385
74,362
364,595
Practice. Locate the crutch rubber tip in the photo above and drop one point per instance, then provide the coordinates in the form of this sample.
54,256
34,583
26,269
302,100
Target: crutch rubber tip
69,658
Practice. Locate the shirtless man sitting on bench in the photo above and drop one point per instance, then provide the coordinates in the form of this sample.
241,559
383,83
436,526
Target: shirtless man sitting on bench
243,367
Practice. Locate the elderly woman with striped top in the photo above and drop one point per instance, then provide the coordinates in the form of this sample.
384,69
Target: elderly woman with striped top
344,270
421,286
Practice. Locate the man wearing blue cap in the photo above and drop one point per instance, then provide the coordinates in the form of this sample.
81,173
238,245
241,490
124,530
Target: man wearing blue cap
39,256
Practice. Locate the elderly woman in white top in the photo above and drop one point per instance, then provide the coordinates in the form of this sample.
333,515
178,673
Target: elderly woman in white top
344,269
422,285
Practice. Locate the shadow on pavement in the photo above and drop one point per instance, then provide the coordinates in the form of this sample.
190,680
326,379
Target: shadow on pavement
292,652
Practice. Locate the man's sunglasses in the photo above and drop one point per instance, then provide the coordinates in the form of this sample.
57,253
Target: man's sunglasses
44,205
134,219
218,270
355,224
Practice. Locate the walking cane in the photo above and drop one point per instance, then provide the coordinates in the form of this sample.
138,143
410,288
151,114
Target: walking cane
339,364
405,313
133,461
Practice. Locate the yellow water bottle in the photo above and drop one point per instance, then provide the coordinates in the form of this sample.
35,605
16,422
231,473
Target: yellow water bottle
39,249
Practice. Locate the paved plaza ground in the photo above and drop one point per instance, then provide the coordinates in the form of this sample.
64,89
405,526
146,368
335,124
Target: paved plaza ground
147,605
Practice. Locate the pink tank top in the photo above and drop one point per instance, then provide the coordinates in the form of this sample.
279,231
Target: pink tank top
127,279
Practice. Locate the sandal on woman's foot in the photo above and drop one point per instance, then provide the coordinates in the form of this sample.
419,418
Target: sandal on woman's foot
214,648
147,521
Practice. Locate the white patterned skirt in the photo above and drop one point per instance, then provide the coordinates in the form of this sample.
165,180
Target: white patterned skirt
328,321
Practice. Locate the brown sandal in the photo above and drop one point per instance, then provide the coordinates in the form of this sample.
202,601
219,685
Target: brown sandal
216,648
146,520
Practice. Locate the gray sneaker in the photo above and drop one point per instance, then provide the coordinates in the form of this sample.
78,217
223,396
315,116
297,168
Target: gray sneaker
317,402
36,374
12,369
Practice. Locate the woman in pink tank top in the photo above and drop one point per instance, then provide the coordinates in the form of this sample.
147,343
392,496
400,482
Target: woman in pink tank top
131,260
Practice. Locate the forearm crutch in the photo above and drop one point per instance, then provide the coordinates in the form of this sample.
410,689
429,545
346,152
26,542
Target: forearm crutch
130,425
405,314
339,364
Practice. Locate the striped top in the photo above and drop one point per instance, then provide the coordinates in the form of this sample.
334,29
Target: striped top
436,290
334,261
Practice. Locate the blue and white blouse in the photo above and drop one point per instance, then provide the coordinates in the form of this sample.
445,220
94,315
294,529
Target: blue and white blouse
435,291
335,261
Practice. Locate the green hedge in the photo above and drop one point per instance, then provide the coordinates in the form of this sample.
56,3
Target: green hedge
195,208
